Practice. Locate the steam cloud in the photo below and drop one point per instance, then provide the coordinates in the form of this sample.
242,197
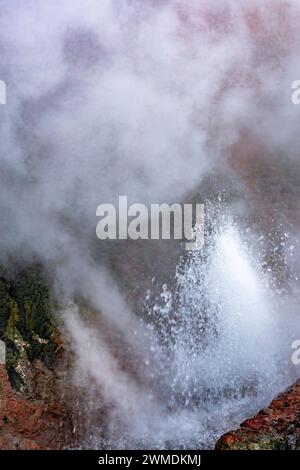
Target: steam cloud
146,98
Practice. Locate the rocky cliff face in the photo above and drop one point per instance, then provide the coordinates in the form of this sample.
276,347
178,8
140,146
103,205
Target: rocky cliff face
274,428
29,424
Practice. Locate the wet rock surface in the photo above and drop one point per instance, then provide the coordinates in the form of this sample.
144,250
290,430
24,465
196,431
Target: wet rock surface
274,428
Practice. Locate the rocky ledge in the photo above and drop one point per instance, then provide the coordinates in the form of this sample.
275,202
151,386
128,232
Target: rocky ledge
28,424
273,428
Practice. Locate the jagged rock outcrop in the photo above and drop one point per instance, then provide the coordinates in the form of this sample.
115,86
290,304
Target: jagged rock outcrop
274,428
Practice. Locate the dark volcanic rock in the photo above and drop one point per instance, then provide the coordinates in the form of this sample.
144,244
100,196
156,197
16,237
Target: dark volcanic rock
274,428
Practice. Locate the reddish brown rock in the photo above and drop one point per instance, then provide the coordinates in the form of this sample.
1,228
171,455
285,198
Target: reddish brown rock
275,428
26,423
